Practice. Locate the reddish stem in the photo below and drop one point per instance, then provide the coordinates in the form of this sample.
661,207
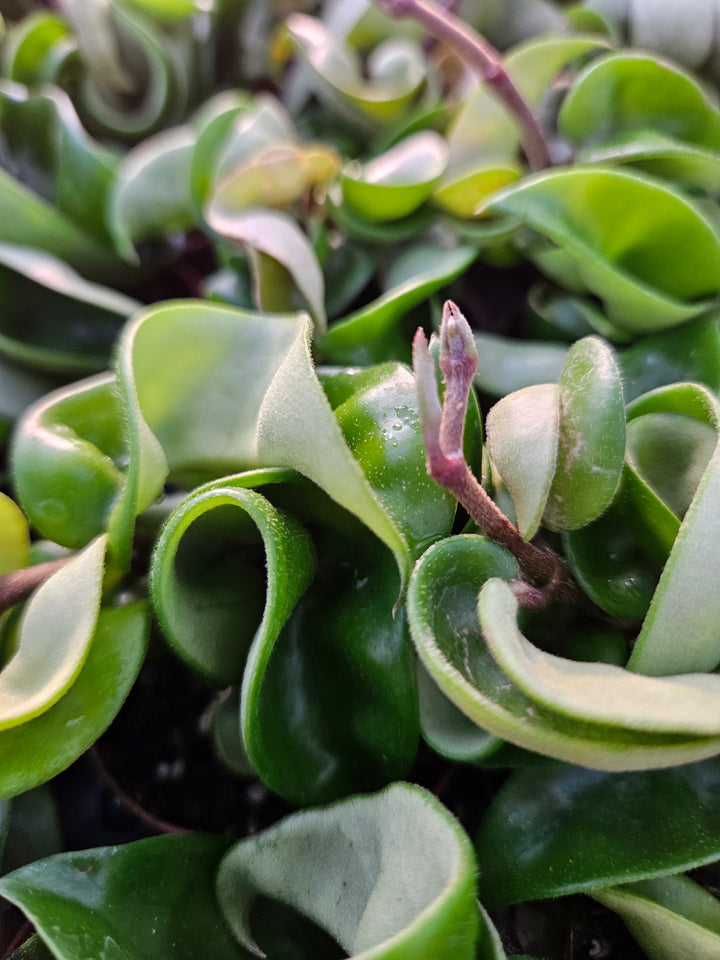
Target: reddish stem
475,51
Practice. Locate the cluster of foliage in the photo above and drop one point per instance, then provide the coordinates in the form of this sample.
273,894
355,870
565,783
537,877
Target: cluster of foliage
221,222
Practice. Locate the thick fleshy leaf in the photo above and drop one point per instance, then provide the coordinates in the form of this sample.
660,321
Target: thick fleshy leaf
69,457
149,899
31,42
151,196
212,610
55,634
627,93
14,536
690,352
447,730
269,233
640,246
523,431
210,388
668,916
602,693
591,443
442,610
101,30
371,334
661,157
398,181
505,364
483,125
276,177
462,194
396,72
670,452
378,413
346,867
53,319
614,563
26,220
688,577
330,706
49,149
561,830
33,752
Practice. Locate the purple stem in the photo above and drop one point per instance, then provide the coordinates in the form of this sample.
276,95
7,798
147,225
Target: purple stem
477,53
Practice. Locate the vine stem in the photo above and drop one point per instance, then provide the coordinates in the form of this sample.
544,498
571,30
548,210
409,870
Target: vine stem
477,53
18,585
544,574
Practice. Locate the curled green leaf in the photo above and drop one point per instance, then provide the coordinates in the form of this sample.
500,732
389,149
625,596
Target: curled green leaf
346,868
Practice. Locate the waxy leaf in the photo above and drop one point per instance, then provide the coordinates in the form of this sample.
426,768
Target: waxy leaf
55,634
668,916
506,365
690,352
442,610
483,127
101,30
50,151
14,536
613,559
130,901
398,181
523,431
371,334
151,196
208,606
591,442
347,868
396,71
209,388
53,319
595,692
561,829
683,604
26,220
643,248
380,422
628,93
276,177
68,459
275,235
37,750
329,707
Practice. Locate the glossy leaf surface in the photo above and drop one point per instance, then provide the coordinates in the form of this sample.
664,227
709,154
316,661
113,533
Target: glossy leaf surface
395,72
650,256
14,536
442,610
683,602
397,182
591,442
561,830
346,867
241,362
55,634
371,333
667,916
130,901
523,431
33,752
211,610
273,234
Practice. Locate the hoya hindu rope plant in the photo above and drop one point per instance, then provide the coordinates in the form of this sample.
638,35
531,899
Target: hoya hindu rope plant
262,484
